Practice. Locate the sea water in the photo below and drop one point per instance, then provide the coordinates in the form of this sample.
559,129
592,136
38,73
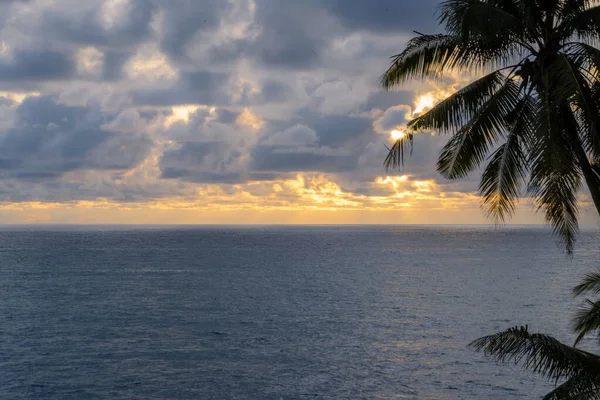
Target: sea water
304,312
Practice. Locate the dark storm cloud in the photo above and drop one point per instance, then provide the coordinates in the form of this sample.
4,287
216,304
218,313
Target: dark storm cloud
384,16
200,87
207,162
284,40
132,25
225,116
50,139
272,90
113,62
292,35
335,130
273,159
36,65
183,19
319,146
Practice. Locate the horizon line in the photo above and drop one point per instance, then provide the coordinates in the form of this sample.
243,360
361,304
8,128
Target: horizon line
491,224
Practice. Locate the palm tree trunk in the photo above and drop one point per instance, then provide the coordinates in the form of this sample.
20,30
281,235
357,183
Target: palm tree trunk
592,180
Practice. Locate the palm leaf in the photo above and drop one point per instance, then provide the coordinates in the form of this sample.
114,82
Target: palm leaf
570,86
555,175
584,65
584,25
570,9
588,57
586,320
470,145
473,17
396,154
491,32
542,354
589,284
580,116
513,7
424,56
458,108
501,179
576,388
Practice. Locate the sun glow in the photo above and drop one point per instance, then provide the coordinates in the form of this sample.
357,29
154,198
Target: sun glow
397,135
181,114
423,103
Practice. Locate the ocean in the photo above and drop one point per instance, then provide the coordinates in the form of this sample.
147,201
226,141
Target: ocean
277,312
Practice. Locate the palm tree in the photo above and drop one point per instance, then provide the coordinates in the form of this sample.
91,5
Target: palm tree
533,115
550,358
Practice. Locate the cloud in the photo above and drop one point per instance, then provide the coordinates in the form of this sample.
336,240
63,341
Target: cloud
297,135
35,65
200,87
112,24
48,140
339,97
393,117
385,16
239,104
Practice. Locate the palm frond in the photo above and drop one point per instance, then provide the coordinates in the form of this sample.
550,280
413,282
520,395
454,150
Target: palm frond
396,154
451,13
576,388
470,145
473,17
491,34
572,88
424,56
584,25
539,353
555,174
513,7
533,16
583,62
580,116
500,181
502,177
589,284
459,107
586,319
586,57
570,9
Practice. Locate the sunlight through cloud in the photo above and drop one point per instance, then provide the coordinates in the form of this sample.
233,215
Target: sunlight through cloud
397,135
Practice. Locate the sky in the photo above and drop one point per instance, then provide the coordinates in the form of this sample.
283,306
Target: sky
217,111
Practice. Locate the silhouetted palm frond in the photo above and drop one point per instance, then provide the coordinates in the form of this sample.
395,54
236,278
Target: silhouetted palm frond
541,354
544,54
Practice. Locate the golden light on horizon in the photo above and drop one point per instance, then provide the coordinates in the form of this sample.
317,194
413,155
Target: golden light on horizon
395,181
397,135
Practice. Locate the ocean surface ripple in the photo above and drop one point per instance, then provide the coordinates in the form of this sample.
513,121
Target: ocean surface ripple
338,312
